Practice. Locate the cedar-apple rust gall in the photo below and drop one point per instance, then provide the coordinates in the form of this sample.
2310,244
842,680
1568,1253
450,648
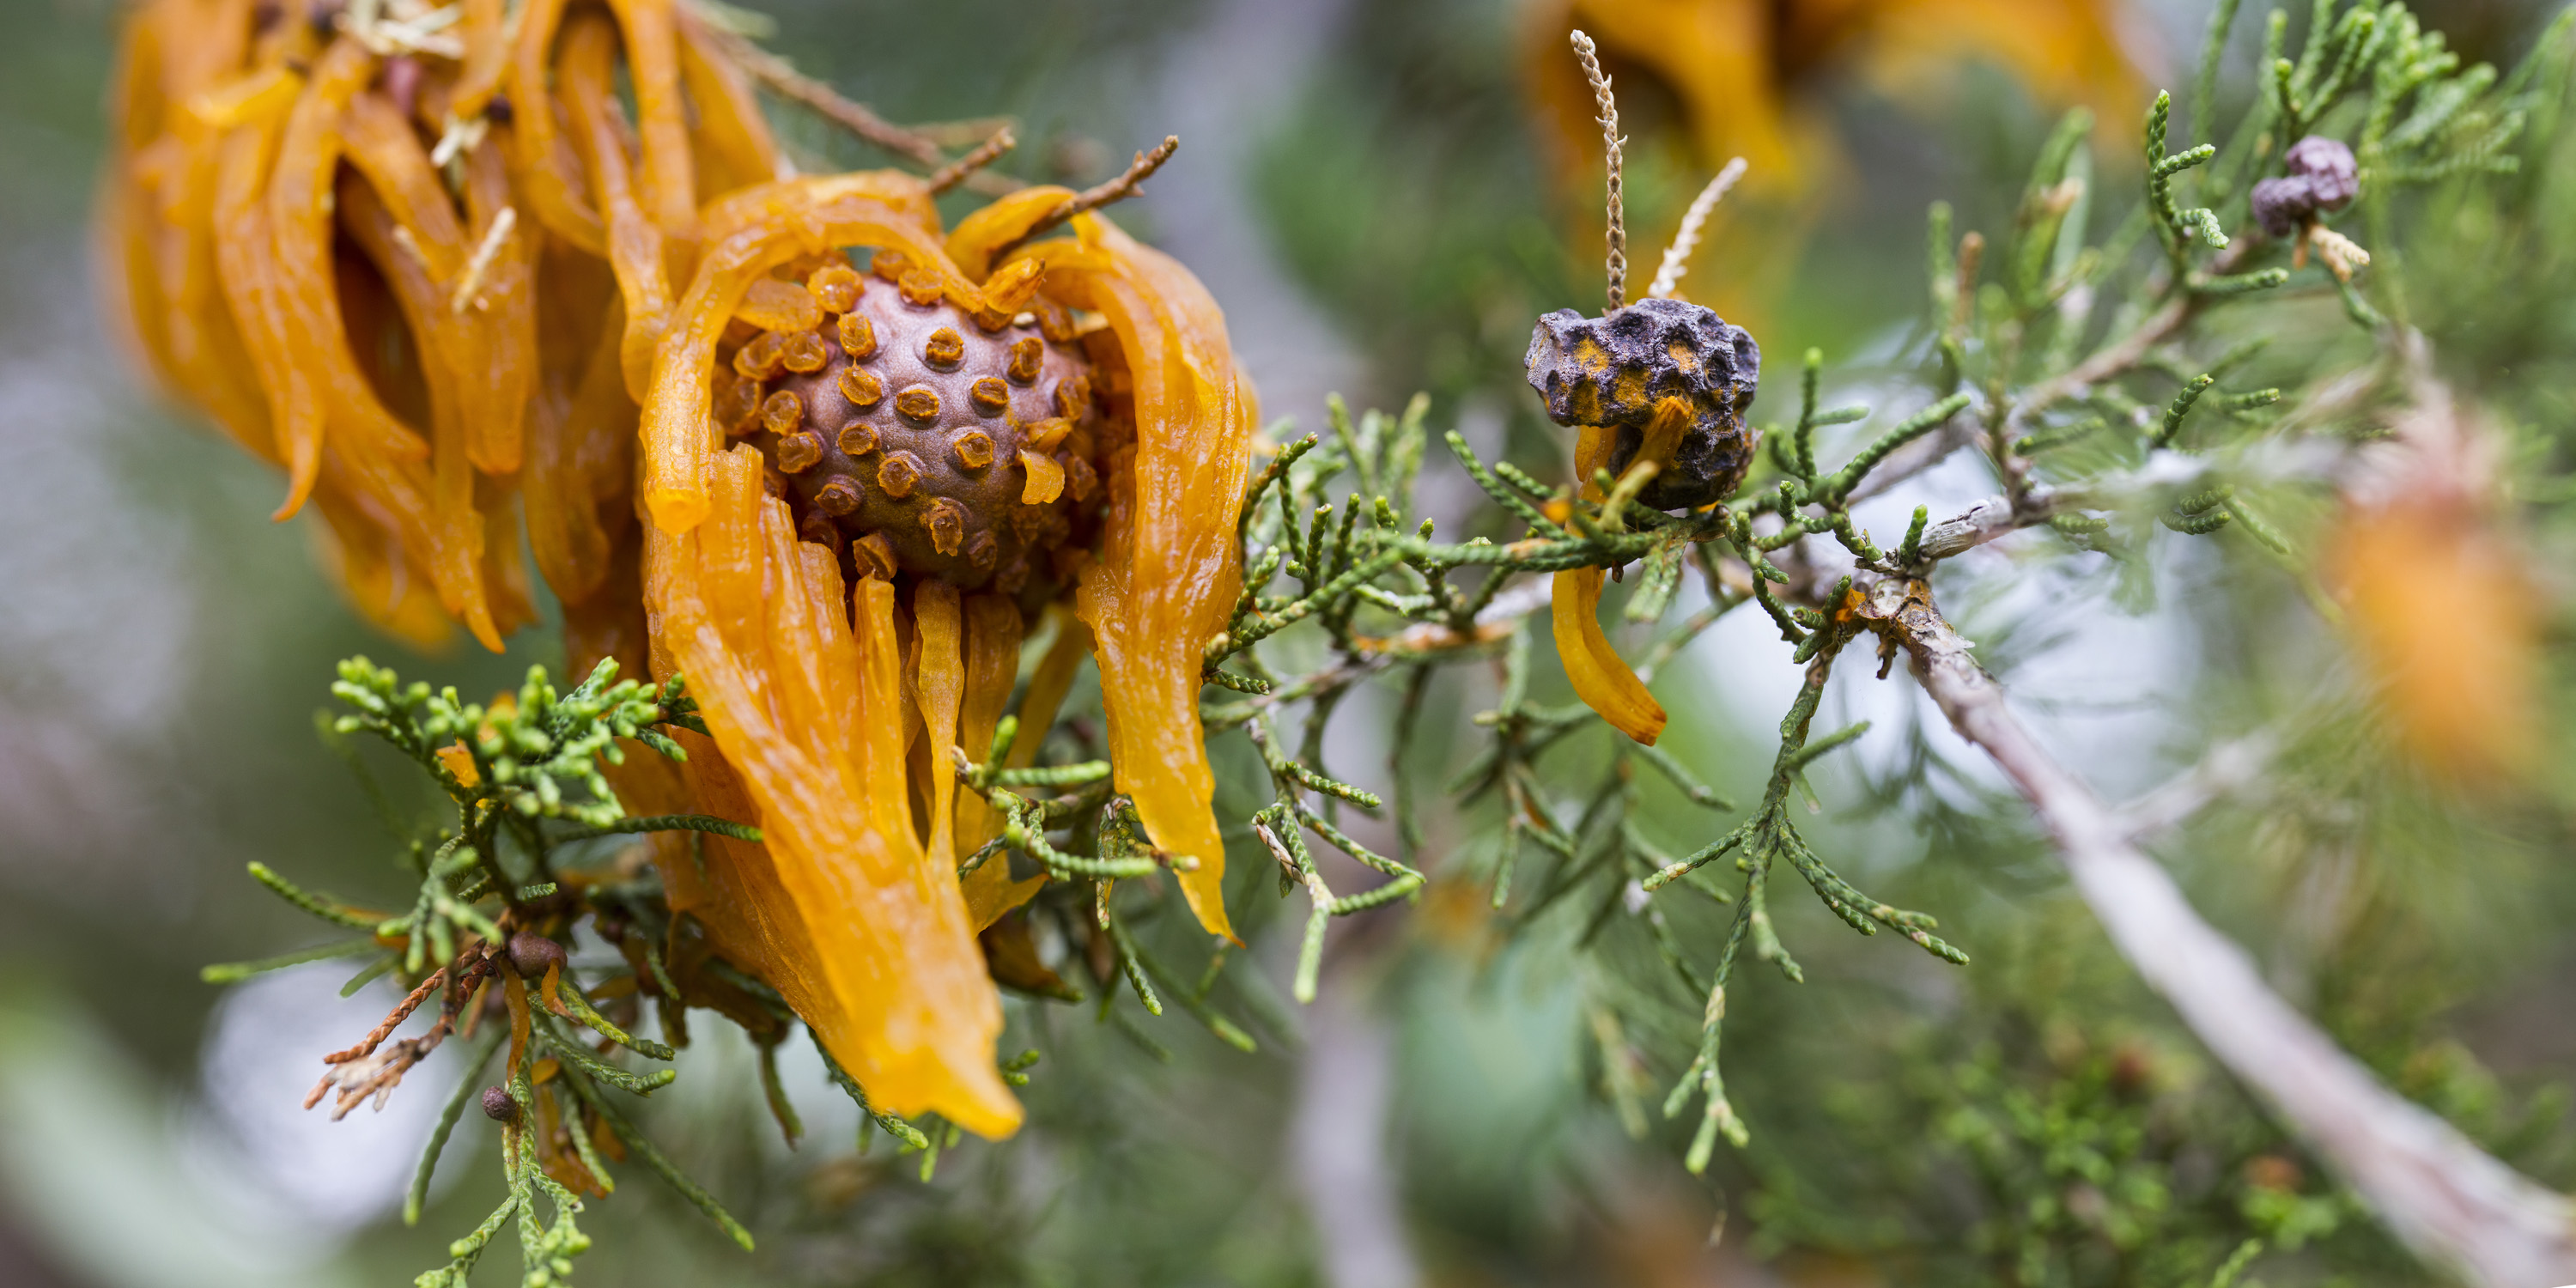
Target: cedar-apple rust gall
1615,371
1656,391
919,439
789,438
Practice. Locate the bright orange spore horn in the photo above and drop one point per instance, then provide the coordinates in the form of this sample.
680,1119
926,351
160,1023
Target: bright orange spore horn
437,275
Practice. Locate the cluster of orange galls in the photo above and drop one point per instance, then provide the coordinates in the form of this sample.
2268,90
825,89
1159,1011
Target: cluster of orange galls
424,262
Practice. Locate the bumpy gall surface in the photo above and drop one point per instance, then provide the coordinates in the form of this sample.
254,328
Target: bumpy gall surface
1612,371
897,428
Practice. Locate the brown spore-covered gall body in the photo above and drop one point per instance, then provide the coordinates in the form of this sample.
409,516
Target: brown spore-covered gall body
1613,370
914,436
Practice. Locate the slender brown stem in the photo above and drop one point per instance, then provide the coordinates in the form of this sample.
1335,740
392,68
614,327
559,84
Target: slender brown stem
859,119
1093,198
961,134
783,79
985,153
401,1012
2112,360
1617,236
2124,354
1668,275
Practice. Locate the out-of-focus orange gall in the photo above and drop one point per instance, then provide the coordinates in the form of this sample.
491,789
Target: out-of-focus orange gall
2442,616
1740,77
2441,609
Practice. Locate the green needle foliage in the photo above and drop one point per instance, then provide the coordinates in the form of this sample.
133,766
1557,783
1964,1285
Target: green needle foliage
2106,364
499,890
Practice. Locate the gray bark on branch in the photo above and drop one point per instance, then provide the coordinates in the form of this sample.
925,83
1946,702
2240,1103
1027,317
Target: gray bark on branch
2449,1200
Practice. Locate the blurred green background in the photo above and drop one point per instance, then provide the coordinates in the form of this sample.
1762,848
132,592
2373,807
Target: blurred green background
1359,186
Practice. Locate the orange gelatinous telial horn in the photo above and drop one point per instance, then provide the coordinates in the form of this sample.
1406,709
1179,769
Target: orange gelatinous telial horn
501,316
1167,575
1600,677
993,633
939,690
299,229
733,137
651,38
781,222
635,249
580,467
540,160
837,907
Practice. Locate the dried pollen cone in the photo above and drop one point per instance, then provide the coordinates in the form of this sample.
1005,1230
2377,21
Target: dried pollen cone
2442,614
